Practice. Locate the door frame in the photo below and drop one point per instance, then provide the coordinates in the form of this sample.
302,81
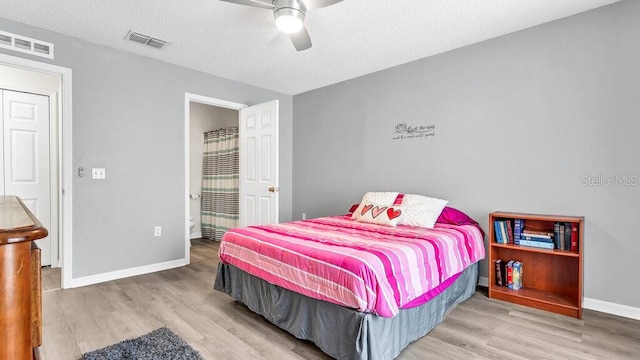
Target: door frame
189,98
63,167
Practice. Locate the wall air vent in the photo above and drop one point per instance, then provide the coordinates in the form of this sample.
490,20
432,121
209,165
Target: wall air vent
5,40
146,39
25,45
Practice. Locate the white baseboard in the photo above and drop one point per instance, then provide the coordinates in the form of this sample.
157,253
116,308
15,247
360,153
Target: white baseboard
611,308
597,305
196,235
121,274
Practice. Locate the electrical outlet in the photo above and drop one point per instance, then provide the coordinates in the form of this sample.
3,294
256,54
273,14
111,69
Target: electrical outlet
98,174
157,231
304,216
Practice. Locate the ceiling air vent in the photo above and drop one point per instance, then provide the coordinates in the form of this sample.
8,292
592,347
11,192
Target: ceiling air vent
146,39
25,45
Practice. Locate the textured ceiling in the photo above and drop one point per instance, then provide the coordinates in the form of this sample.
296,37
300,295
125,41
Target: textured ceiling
350,39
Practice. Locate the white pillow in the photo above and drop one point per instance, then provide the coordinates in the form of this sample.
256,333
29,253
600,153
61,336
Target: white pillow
380,198
421,210
378,214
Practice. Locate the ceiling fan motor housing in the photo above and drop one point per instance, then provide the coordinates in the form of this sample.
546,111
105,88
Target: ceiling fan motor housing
289,4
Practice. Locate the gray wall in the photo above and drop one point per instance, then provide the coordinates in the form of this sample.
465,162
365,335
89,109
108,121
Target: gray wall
519,120
203,118
128,117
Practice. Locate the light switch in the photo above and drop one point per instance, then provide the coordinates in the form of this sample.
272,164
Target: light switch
98,174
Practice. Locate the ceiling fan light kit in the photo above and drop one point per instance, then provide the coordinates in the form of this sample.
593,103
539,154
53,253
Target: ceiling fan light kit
289,20
289,15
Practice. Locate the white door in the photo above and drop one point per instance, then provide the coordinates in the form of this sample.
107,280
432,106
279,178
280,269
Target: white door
259,164
25,138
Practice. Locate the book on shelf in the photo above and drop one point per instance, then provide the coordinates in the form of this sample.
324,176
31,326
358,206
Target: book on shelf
517,230
536,238
516,281
538,234
498,231
499,271
537,244
574,237
509,231
567,235
503,232
509,273
556,234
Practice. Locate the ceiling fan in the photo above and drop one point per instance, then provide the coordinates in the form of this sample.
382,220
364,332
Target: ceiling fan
289,15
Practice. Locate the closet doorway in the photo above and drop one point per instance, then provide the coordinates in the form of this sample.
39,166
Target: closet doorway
28,169
54,82
22,77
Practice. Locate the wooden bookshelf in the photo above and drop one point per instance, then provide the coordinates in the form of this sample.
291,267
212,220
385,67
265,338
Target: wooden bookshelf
551,279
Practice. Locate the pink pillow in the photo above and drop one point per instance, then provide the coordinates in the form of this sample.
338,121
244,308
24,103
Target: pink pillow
454,216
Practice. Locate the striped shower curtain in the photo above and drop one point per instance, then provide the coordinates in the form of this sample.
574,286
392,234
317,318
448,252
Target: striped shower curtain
220,170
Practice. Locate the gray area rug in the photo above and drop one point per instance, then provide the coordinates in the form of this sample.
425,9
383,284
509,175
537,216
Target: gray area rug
161,344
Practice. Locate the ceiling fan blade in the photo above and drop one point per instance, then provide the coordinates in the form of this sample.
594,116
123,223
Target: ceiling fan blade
317,4
301,40
263,4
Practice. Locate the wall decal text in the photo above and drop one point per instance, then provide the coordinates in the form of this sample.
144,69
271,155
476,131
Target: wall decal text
404,131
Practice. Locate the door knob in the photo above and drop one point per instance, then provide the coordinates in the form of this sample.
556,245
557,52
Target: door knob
273,189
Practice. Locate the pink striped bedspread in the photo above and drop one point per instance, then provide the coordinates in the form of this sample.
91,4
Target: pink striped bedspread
368,267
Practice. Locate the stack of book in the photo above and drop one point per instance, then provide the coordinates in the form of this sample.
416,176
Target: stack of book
537,238
509,274
504,235
566,236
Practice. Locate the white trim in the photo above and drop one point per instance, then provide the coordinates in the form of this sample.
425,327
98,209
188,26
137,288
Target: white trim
125,273
611,308
54,158
196,235
65,173
213,101
188,98
483,281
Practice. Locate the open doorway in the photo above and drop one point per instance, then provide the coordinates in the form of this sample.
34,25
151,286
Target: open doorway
202,114
258,150
206,121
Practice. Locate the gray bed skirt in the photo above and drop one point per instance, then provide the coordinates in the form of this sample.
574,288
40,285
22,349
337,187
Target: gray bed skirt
341,332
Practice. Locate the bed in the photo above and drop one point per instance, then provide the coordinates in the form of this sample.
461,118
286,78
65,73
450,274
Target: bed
357,290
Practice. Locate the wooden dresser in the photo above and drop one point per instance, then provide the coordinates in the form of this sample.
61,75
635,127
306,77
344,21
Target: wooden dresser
20,281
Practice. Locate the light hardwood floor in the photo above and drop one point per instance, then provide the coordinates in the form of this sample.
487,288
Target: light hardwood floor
183,299
50,278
